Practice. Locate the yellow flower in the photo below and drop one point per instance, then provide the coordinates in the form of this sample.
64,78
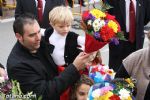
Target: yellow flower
97,13
106,96
130,82
113,25
129,98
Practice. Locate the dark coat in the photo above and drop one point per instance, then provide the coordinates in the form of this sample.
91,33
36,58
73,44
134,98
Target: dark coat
39,74
71,46
29,6
119,52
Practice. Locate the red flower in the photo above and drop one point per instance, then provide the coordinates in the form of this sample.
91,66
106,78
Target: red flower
94,69
114,97
103,72
106,33
85,15
109,17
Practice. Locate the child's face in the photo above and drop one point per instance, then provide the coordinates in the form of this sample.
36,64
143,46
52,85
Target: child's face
82,92
62,28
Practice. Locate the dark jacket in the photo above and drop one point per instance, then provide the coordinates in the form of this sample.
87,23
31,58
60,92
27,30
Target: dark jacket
71,45
119,52
29,6
39,74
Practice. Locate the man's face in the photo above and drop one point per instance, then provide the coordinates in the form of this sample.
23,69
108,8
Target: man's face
31,37
62,28
82,92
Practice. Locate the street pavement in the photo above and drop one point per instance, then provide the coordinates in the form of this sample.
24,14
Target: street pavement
7,39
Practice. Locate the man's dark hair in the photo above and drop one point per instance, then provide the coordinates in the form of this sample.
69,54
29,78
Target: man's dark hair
22,20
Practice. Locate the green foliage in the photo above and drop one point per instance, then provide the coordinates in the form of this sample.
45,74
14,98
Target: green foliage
14,92
120,35
103,6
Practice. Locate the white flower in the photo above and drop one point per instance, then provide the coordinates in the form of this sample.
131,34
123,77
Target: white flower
96,25
96,29
2,79
102,23
124,94
89,22
96,93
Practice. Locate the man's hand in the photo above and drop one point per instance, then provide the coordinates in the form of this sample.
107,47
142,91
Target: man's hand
81,60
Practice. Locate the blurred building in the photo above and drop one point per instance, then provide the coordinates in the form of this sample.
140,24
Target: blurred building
9,9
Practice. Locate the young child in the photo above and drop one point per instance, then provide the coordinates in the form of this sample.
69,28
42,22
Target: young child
79,91
67,44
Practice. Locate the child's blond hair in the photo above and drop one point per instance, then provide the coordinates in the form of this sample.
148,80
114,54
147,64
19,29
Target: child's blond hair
60,14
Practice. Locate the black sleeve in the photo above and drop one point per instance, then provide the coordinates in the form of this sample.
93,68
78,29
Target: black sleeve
147,96
122,73
18,9
112,3
31,80
147,11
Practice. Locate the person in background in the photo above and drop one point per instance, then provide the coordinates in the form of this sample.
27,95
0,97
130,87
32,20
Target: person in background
137,66
81,2
31,64
2,3
79,91
31,6
133,30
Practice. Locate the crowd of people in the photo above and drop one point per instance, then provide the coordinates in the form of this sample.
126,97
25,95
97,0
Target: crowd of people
53,63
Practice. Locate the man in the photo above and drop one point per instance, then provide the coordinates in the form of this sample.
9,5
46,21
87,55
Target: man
137,66
121,10
31,6
30,62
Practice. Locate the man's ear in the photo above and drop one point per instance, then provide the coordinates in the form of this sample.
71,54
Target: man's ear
18,36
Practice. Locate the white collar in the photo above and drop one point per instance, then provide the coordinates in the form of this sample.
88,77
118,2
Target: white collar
57,35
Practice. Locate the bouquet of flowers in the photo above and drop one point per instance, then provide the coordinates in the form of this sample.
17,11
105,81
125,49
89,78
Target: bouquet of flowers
100,73
101,25
11,90
117,89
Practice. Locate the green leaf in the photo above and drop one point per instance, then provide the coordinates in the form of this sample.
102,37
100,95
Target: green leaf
40,98
103,6
120,35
